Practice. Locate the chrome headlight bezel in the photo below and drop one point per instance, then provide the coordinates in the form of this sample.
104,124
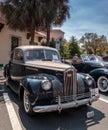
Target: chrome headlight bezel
89,80
46,85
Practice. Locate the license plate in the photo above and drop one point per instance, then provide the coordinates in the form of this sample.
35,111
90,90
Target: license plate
90,114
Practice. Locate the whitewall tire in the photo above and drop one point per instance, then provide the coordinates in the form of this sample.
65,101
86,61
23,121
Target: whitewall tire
102,84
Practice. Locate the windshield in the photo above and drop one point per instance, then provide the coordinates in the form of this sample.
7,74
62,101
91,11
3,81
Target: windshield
91,57
42,55
85,57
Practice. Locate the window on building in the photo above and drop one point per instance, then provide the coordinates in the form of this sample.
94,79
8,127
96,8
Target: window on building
14,42
39,39
1,26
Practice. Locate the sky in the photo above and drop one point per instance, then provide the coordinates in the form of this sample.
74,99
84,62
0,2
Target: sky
86,16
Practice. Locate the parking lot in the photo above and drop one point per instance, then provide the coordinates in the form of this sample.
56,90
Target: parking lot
72,119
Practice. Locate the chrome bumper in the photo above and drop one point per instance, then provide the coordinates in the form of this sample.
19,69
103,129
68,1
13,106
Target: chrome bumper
60,106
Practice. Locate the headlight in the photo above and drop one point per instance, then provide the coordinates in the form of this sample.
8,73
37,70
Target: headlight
89,80
46,85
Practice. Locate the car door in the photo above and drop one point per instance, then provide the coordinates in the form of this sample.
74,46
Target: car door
17,68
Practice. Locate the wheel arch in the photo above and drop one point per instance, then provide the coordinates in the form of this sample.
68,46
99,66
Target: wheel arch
99,72
21,92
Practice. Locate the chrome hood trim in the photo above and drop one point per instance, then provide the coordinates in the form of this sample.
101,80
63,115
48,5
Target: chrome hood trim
48,65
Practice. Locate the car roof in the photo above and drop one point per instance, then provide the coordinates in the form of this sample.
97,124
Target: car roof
26,47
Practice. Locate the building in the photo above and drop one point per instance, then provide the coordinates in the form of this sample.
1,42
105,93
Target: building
9,39
56,34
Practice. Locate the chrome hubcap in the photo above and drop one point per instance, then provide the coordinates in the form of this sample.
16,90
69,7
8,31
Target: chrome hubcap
102,84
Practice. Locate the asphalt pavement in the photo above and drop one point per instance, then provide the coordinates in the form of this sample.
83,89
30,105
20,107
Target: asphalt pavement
5,123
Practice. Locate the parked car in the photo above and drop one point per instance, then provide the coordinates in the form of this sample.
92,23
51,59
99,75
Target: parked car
96,67
37,74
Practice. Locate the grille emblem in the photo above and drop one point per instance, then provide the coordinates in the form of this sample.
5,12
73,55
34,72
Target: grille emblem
69,75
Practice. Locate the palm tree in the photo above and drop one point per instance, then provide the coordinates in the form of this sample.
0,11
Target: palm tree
62,12
49,14
24,15
55,13
30,15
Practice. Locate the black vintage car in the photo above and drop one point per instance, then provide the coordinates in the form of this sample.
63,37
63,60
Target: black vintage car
96,67
37,74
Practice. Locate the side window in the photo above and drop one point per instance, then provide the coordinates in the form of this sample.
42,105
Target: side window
18,55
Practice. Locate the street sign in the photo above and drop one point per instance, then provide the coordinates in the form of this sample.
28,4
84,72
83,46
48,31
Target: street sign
57,44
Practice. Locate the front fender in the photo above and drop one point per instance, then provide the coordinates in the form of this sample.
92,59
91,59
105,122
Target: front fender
99,72
33,83
82,81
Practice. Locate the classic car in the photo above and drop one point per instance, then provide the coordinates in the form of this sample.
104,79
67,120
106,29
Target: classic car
96,67
37,74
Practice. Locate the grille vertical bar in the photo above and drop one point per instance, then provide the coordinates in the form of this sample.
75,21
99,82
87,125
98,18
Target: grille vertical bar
68,82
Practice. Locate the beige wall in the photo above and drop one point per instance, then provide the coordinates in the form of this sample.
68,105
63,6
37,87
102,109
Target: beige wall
5,42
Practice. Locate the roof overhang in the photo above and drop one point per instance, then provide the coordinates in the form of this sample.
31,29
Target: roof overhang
40,34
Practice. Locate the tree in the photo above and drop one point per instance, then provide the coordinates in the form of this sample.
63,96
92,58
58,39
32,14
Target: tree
94,43
64,48
55,13
52,43
74,47
69,49
24,15
31,15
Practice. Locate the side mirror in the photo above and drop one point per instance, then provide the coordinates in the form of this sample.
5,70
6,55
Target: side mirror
62,60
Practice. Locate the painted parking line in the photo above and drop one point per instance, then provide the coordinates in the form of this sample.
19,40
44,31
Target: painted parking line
11,112
103,98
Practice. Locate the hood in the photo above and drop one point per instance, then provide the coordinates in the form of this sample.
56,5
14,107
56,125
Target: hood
51,65
95,63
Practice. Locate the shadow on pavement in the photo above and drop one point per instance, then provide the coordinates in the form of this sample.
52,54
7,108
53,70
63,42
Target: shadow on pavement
71,119
105,94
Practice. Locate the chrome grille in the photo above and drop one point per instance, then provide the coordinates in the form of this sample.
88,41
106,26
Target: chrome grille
68,82
73,97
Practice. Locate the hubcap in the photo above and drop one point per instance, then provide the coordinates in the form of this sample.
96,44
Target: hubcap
103,84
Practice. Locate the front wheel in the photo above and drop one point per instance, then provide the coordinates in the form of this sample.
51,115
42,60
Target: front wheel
102,83
26,102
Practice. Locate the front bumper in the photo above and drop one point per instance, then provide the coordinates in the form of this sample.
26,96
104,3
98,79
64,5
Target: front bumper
60,106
